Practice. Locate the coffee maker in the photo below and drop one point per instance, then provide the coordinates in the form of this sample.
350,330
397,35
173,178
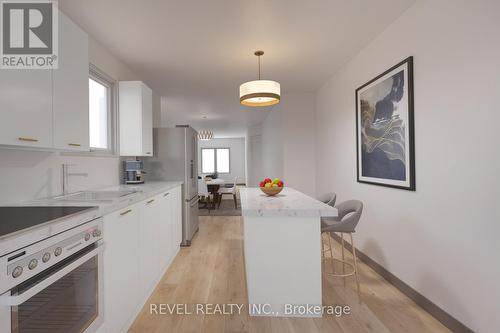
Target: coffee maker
134,173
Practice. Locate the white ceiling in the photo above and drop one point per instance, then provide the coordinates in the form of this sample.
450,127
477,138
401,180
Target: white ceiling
196,53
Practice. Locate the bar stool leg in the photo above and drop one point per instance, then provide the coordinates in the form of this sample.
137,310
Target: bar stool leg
322,247
331,251
343,257
355,262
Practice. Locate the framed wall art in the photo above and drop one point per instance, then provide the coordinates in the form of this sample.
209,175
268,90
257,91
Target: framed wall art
385,135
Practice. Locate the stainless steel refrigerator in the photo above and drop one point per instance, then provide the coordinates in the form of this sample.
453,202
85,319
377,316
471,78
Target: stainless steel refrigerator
175,155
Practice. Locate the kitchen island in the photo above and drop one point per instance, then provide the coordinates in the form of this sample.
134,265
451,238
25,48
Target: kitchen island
282,245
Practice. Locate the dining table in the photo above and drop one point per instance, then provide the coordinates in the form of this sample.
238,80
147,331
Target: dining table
213,186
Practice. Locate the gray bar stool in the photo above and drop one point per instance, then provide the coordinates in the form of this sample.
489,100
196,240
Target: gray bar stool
349,215
328,198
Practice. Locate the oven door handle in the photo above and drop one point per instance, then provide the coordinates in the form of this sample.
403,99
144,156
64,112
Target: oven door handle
20,299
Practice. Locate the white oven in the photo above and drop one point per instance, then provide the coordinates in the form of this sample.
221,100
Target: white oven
54,285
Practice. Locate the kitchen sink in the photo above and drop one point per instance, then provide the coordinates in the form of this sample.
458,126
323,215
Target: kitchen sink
96,195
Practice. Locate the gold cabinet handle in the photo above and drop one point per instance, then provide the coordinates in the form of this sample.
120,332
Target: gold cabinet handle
150,201
125,212
74,144
27,139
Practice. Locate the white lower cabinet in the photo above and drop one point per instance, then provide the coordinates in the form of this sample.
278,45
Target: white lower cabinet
149,237
121,269
165,240
141,241
171,225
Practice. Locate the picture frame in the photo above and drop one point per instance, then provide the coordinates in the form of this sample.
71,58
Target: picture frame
385,133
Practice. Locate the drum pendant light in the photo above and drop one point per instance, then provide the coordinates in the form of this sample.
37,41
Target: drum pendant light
205,135
260,92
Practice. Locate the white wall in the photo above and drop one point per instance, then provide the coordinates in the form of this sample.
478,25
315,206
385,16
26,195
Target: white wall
114,67
442,239
273,155
28,175
288,143
254,155
237,157
299,141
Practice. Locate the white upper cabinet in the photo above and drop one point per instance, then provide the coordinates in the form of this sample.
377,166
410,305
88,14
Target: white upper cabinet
136,119
44,108
71,88
26,107
147,121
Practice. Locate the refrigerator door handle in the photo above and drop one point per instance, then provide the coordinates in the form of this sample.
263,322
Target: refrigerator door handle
195,202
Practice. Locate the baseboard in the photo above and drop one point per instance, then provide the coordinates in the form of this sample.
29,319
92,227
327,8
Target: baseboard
444,317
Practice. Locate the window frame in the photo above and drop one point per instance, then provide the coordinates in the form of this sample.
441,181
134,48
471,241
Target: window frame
99,76
215,160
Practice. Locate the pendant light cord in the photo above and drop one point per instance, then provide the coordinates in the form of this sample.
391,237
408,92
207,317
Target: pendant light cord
259,66
259,53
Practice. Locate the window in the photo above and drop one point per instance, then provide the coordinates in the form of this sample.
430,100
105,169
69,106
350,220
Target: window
98,115
222,160
101,112
208,160
215,160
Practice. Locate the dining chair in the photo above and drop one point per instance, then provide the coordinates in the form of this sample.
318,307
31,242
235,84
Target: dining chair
349,214
203,192
229,190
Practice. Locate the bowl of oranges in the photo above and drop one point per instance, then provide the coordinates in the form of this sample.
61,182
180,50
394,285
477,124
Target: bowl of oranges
271,187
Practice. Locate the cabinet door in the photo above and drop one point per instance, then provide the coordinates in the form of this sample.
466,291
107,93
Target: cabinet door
136,119
165,231
71,88
149,244
26,107
121,262
147,121
130,104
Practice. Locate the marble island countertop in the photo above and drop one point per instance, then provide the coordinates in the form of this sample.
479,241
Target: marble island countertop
290,202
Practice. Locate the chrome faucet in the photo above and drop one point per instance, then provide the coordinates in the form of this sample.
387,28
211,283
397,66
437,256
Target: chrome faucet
65,175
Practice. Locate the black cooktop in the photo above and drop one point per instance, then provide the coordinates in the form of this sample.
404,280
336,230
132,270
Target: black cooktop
18,218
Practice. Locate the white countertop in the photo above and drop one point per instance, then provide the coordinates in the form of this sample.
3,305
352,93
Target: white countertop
144,191
290,202
102,207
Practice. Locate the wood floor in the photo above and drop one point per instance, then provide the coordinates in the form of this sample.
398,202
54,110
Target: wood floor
212,271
